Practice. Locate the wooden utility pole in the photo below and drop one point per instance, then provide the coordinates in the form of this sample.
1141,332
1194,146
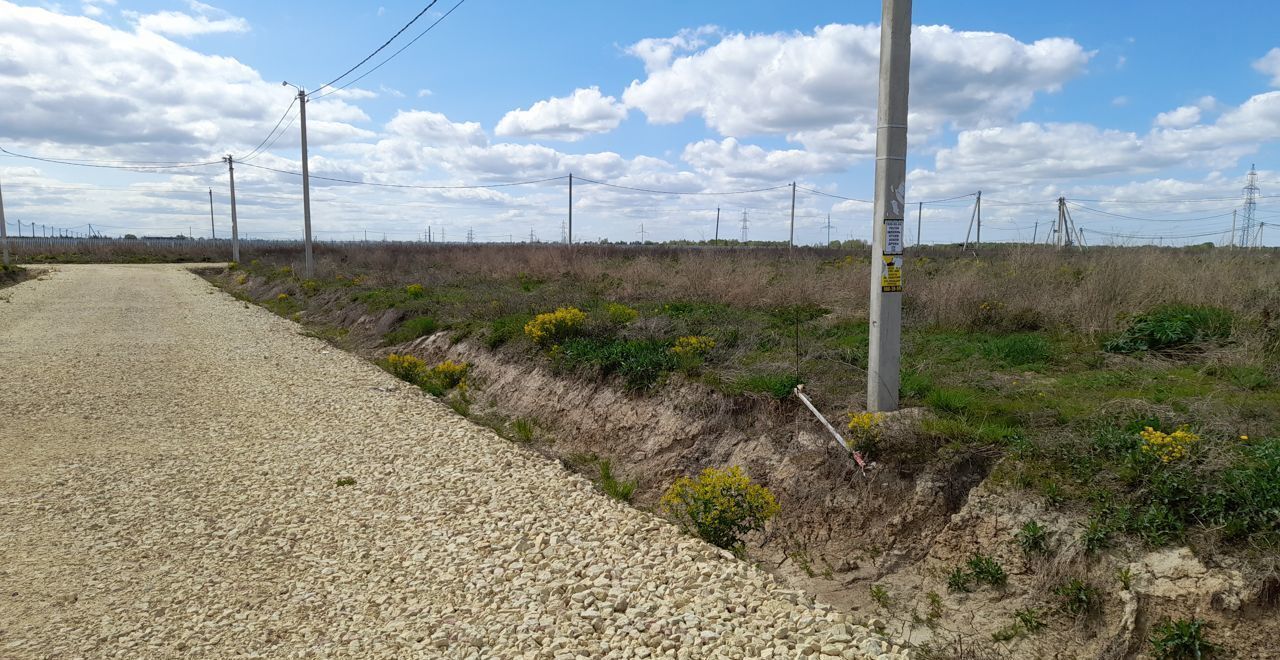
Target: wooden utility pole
885,346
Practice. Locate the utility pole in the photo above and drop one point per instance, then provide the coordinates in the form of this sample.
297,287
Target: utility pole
642,233
919,220
791,242
1035,232
978,210
717,223
308,269
1062,238
885,345
744,226
235,229
828,230
570,235
1233,227
213,231
4,228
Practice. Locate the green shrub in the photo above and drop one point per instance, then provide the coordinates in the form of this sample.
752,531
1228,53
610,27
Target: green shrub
1183,639
986,569
619,490
419,326
720,506
640,362
523,430
405,367
960,580
619,314
505,328
1077,597
1018,350
551,328
1033,538
881,596
1169,327
777,385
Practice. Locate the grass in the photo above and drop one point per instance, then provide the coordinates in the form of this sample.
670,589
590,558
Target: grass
1002,367
619,489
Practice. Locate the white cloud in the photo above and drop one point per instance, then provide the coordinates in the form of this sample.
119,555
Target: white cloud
1269,65
656,53
423,93
1183,117
1120,101
568,118
820,89
729,158
206,20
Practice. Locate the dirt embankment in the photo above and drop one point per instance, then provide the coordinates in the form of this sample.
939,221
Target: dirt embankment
887,543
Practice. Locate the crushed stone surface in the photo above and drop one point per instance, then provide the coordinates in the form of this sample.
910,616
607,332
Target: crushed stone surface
170,488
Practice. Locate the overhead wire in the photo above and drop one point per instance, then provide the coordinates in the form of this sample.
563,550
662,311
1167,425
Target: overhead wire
678,192
393,55
135,168
258,149
384,45
413,186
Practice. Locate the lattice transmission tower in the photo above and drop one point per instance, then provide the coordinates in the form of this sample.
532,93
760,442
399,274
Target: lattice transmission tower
1248,222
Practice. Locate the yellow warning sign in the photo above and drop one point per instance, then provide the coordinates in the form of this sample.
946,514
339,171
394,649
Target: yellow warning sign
891,276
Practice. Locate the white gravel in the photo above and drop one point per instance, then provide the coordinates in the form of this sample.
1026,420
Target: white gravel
168,489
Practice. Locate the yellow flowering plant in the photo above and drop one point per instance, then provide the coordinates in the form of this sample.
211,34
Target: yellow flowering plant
1168,447
865,429
552,328
620,314
414,290
405,367
720,506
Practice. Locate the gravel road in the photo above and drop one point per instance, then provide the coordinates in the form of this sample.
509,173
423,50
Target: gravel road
169,488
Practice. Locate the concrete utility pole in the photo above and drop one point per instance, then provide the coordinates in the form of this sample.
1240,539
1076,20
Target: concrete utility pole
885,346
919,220
213,230
717,223
308,268
4,229
1233,227
791,242
570,235
978,210
235,229
1035,232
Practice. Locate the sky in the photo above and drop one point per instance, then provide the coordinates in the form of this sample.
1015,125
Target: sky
1146,116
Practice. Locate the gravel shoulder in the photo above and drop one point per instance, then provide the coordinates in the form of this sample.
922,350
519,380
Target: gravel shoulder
170,488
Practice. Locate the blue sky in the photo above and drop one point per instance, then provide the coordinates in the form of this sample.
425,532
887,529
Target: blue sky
1132,104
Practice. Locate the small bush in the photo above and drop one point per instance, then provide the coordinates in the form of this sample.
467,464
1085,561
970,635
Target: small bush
1077,597
691,350
345,481
551,328
1168,447
619,314
405,367
1171,327
1183,639
779,386
619,490
419,326
986,569
881,596
1097,536
523,430
449,373
1033,538
865,430
415,291
720,506
960,580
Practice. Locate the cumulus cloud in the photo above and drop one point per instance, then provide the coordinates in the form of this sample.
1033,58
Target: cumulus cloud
819,89
1187,115
568,118
1269,65
206,19
730,158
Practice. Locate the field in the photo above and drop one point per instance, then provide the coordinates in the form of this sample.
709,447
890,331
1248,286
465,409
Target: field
1132,393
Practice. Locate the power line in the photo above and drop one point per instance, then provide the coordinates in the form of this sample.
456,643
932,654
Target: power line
393,55
824,194
138,168
405,185
259,148
384,45
679,192
1131,217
